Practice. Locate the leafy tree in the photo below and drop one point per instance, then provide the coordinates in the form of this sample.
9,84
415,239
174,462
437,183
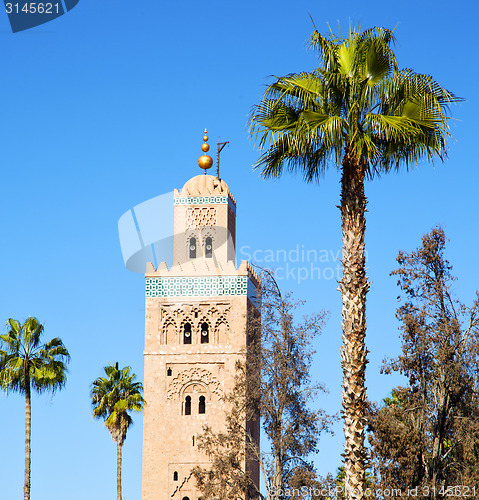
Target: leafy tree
275,385
112,397
359,110
426,434
27,363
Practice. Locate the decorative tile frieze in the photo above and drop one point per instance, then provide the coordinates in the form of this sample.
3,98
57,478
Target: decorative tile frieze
205,200
204,286
201,200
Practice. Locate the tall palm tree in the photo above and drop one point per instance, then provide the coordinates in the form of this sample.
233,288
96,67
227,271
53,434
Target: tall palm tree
27,363
112,397
358,109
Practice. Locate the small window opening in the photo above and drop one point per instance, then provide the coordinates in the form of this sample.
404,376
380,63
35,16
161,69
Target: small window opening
208,248
169,372
192,246
175,476
196,314
202,405
205,335
185,498
187,334
188,405
193,439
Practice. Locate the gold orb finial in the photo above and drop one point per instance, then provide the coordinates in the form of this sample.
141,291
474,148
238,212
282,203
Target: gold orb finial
205,162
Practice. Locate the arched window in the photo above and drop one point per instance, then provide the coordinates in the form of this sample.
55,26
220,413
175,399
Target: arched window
188,405
168,372
187,334
175,476
208,248
192,247
202,405
185,498
205,334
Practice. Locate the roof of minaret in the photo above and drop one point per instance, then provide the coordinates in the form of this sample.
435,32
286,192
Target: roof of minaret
206,185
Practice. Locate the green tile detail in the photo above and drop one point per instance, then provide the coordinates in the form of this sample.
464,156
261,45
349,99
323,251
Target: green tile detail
201,200
211,286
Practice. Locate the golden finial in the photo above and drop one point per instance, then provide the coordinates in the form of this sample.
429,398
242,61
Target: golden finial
205,162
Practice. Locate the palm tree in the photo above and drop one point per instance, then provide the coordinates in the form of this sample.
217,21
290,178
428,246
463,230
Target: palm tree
112,397
358,109
26,363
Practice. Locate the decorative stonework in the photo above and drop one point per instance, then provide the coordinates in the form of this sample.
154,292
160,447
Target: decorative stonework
191,376
173,319
200,217
201,200
205,286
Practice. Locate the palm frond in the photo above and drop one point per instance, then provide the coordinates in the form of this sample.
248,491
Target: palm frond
113,396
357,96
25,360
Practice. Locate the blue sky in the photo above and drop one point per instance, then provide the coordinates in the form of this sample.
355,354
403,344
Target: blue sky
105,107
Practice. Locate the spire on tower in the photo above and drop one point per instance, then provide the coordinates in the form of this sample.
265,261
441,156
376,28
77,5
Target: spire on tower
205,162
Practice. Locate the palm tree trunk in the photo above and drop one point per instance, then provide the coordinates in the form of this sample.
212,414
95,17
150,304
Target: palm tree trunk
118,470
353,287
28,433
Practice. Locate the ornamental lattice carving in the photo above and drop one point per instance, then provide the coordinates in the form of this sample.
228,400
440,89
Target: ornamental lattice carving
199,375
200,217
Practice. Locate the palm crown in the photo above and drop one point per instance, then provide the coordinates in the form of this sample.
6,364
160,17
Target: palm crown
113,396
26,361
357,101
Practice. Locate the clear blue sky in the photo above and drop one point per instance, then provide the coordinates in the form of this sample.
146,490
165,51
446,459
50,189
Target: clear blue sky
105,108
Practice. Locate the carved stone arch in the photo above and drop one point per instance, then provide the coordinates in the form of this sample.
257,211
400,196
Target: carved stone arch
170,331
222,329
194,375
205,319
208,244
187,389
189,235
184,320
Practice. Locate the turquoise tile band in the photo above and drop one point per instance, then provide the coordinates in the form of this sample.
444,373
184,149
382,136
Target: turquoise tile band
205,286
201,200
205,200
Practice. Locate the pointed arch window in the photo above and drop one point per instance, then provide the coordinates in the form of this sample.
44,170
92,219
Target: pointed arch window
209,248
205,333
169,372
188,405
175,476
192,247
187,333
202,405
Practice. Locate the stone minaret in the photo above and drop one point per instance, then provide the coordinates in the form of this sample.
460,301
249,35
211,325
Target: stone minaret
196,326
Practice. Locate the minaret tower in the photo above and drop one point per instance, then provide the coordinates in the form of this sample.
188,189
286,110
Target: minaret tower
196,328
